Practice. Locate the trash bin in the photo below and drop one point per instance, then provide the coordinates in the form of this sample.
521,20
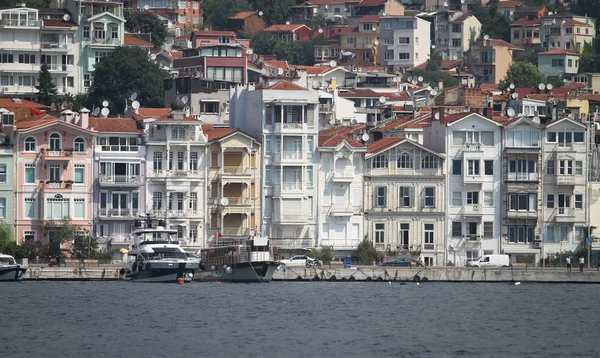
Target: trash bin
348,262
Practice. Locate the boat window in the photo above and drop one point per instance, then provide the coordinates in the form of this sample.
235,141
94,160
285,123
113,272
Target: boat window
7,260
167,253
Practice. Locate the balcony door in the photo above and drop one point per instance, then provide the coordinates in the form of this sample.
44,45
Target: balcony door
120,204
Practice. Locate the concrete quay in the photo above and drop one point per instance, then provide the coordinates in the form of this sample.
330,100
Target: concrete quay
439,274
45,273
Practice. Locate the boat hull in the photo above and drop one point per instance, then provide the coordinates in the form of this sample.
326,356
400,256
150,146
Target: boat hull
12,273
257,271
160,272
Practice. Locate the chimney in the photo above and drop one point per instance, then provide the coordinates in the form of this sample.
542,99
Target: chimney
84,118
488,111
440,85
67,116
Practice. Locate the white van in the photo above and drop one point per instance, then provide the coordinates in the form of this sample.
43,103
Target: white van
491,261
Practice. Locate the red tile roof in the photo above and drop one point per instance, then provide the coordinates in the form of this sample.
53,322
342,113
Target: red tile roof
115,125
505,4
278,64
558,51
527,22
59,23
360,93
406,122
285,86
175,54
243,15
333,136
10,103
182,37
129,40
313,70
151,113
446,64
34,121
571,22
382,144
496,42
213,133
213,33
284,27
370,18
372,2
396,96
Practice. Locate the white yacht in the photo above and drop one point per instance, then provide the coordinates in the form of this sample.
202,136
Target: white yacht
10,270
157,257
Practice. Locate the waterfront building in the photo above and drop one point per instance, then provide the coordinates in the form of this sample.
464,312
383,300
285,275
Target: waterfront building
472,144
340,185
7,168
234,183
176,171
31,37
53,174
284,118
404,41
405,199
119,179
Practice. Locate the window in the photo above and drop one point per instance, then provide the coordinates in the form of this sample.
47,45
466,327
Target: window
578,201
473,167
429,197
3,173
380,192
2,207
26,58
404,199
558,62
403,40
194,161
565,167
157,202
87,80
522,202
429,162
157,161
405,161
380,233
428,229
178,133
29,208
380,161
550,167
29,173
209,107
86,32
551,137
456,42
79,145
488,167
456,167
404,235
578,167
472,197
578,137
457,229
98,55
403,56
79,174
521,234
550,201
180,160
456,198
488,198
6,58
550,234
30,145
488,229
79,208
267,175
57,207
309,176
55,142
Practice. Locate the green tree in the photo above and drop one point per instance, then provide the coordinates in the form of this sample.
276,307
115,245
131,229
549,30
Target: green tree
586,7
46,87
323,254
216,12
115,79
76,102
274,11
145,22
493,23
435,61
522,74
365,251
83,246
34,4
262,43
434,77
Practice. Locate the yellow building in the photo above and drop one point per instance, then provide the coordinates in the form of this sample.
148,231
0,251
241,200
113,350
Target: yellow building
363,40
490,60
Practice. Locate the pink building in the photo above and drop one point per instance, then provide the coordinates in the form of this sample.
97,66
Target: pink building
53,174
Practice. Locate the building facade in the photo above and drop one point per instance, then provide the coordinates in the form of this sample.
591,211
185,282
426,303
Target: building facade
404,41
455,32
490,60
7,167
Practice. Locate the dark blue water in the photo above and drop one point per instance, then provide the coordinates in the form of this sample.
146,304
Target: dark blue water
298,319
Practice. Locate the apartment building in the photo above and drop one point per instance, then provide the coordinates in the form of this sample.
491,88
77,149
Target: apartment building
53,174
284,117
31,37
185,13
558,63
525,33
566,31
289,32
330,10
119,179
522,202
565,213
455,32
176,173
363,41
234,183
404,41
405,199
491,58
7,167
472,144
340,184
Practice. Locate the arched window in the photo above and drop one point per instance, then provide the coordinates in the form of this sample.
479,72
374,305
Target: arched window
178,133
55,142
380,161
405,161
79,145
30,144
58,196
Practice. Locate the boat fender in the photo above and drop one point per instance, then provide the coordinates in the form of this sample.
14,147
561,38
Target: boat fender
424,279
332,278
351,278
344,279
369,279
117,272
148,266
416,278
121,271
316,278
379,279
75,270
299,278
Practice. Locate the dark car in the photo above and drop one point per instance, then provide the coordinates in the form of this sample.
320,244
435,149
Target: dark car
402,261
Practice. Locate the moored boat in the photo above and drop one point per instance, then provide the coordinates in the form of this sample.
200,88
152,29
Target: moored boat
10,270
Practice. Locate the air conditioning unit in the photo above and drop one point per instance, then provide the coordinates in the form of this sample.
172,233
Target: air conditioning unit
537,245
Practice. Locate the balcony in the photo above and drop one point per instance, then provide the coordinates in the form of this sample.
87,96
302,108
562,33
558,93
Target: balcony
564,148
346,176
235,174
288,157
290,219
55,46
105,41
341,210
293,127
570,180
291,244
157,174
472,147
565,215
21,23
472,238
325,108
120,180
472,210
473,179
234,231
534,177
515,214
57,155
294,188
57,184
116,239
119,213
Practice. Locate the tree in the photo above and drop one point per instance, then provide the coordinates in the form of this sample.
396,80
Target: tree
435,61
46,87
434,77
216,12
147,23
323,254
262,43
34,4
365,251
586,7
83,246
522,74
493,23
274,11
75,102
115,79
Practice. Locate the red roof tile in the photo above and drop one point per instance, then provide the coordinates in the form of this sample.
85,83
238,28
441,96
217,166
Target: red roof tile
278,64
360,93
213,33
372,2
59,23
243,15
34,121
505,4
571,22
370,18
406,122
333,136
382,144
496,42
129,40
213,133
175,54
285,27
285,86
151,113
527,22
115,125
558,51
10,103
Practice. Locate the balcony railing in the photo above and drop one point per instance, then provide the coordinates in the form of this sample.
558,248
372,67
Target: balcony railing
344,175
21,23
234,231
122,212
54,46
57,153
565,214
285,243
523,176
472,209
121,179
325,107
238,201
473,147
229,170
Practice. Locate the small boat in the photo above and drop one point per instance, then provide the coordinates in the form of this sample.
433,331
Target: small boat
238,260
158,259
10,270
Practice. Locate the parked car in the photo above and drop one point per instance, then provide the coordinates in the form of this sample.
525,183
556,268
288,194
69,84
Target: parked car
402,261
300,261
491,261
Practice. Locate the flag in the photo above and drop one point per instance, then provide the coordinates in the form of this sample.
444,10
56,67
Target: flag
219,234
35,112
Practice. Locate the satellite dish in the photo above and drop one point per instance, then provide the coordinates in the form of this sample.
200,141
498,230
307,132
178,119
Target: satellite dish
146,7
279,71
332,63
260,13
96,111
135,104
287,22
550,13
437,116
365,137
409,78
153,57
486,37
104,103
414,81
433,47
549,87
554,21
374,28
63,106
105,111
249,51
462,1
326,6
66,17
542,86
515,95
420,78
510,112
382,99
445,4
429,88
433,92
320,31
224,201
264,71
376,42
184,99
512,86
565,80
133,96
